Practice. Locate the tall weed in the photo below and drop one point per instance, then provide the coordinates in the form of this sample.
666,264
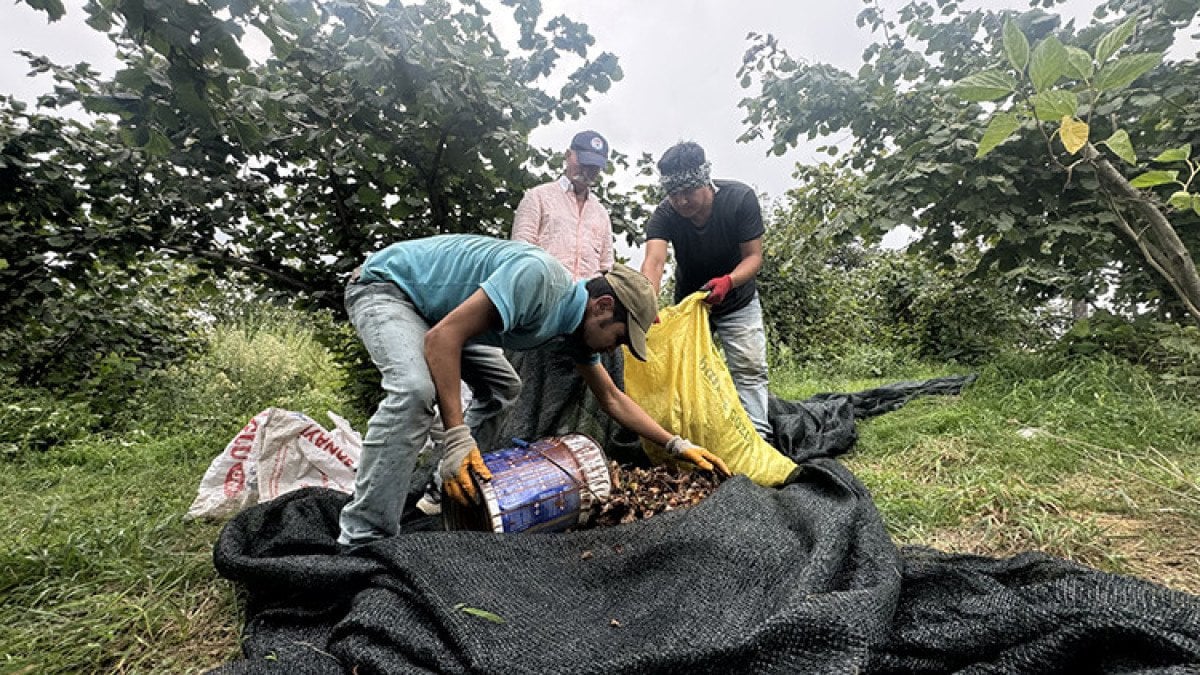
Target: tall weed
268,357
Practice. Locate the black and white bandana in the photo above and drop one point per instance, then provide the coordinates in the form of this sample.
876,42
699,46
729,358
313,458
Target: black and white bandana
686,180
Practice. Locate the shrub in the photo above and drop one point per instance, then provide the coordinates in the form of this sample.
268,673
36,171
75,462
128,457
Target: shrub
947,315
263,356
97,344
821,301
33,419
1169,351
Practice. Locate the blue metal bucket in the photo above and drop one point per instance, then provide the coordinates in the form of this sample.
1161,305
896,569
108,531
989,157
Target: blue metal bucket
544,486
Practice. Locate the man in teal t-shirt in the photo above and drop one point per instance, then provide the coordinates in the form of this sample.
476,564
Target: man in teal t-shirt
433,311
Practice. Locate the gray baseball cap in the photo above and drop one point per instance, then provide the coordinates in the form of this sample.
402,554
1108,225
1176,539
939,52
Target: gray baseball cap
634,291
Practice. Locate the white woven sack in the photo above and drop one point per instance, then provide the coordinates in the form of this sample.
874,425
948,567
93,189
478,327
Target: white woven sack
298,452
231,482
276,452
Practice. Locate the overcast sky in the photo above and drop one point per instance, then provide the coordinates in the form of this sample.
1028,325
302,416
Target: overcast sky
679,58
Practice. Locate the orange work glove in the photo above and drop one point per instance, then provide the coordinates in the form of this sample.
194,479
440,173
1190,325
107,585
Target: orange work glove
685,449
462,458
717,289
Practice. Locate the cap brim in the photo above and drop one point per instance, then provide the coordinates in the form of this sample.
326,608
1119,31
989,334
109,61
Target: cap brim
637,341
591,158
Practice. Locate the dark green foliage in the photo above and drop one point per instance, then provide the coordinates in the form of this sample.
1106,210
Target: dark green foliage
367,124
1170,351
1025,217
947,315
97,343
363,383
825,292
891,301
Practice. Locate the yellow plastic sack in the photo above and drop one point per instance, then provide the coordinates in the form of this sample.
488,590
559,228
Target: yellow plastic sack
686,387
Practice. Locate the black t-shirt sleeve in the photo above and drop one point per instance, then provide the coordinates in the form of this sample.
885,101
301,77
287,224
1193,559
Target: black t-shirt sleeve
659,226
749,218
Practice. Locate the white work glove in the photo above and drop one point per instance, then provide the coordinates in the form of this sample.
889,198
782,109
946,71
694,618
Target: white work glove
462,458
681,448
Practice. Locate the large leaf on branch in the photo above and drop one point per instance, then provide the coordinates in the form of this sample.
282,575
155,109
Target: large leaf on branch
998,130
1048,62
1112,41
986,86
1053,105
1125,70
53,8
1180,200
1154,178
1180,154
1121,146
1074,134
1016,46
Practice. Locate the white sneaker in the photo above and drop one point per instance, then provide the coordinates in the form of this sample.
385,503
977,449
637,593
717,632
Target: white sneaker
430,503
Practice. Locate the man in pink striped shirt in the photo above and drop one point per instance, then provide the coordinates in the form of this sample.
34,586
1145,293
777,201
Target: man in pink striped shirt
565,218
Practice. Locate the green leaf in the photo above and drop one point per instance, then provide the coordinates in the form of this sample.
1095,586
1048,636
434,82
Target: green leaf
1121,146
368,196
1180,154
158,145
53,8
1196,204
1180,200
1073,133
1047,63
231,54
1001,126
481,613
1016,46
1079,63
1053,105
986,86
1123,71
1112,41
1153,178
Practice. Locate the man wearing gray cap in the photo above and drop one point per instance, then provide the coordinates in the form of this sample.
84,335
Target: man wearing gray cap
431,311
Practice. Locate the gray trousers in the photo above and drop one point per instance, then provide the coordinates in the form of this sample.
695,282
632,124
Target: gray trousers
394,334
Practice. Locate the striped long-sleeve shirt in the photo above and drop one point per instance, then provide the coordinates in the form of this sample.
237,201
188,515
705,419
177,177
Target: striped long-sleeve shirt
549,216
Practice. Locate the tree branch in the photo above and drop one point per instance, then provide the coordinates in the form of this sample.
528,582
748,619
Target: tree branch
282,278
1173,261
1152,254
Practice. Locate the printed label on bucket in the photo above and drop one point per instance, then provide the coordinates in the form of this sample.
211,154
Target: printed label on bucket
547,485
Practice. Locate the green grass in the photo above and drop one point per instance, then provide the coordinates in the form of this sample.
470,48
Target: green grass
98,570
1089,460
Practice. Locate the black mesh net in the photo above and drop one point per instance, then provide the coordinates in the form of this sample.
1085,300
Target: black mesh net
752,580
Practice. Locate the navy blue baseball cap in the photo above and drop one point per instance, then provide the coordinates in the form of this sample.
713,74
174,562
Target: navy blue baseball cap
590,148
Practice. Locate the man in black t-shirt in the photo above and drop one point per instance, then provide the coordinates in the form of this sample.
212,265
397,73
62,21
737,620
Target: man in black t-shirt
716,230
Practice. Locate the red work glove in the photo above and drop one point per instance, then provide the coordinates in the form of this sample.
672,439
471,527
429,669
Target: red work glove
717,289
